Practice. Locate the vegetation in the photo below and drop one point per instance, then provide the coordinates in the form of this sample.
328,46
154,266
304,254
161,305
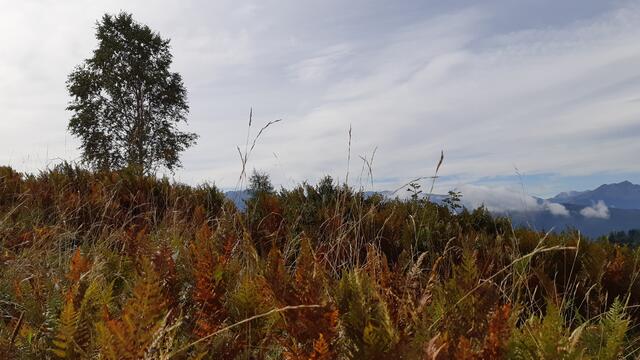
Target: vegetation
630,238
126,103
114,265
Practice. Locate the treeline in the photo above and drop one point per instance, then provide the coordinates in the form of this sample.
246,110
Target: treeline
631,237
116,265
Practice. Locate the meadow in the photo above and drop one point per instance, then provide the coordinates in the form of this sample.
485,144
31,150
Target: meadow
114,265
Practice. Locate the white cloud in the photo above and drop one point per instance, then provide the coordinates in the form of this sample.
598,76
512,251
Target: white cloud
423,77
536,99
557,209
598,210
319,66
497,199
504,199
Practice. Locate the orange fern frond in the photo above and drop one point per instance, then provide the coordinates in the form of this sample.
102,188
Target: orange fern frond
321,350
308,287
130,336
78,266
165,266
495,342
210,287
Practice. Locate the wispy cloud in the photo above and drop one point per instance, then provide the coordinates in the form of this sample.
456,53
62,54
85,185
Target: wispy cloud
319,66
491,84
503,199
533,98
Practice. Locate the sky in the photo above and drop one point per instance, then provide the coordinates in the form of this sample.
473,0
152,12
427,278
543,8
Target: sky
529,97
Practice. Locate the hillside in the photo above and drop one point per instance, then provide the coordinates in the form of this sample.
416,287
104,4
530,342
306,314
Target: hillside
116,266
592,227
599,212
623,195
619,206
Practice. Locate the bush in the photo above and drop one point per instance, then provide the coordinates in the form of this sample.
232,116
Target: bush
117,265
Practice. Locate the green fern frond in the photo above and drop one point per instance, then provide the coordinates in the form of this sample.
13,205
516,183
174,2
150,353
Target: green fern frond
365,317
131,335
547,338
608,337
63,343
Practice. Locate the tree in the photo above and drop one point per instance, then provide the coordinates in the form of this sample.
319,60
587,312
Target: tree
126,103
326,189
414,190
452,201
260,184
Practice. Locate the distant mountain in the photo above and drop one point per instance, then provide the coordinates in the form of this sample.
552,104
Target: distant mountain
610,207
598,212
578,218
238,197
624,195
566,196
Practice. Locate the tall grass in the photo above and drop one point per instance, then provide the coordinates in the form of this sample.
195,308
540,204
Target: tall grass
116,266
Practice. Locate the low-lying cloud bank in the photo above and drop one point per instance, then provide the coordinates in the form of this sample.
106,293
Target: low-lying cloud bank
505,199
599,210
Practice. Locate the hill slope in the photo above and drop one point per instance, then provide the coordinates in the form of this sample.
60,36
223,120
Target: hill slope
617,220
623,195
114,266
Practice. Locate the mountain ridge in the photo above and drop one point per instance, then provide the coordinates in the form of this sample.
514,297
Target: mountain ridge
597,212
622,195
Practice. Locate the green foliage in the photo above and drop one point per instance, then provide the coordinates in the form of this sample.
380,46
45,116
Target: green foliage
452,201
365,318
260,184
64,342
606,340
549,338
631,237
130,336
414,190
115,265
126,103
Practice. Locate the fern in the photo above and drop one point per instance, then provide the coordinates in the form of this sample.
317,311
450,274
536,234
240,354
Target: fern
74,333
499,331
307,286
434,284
63,344
606,339
249,298
130,336
210,285
321,349
365,317
550,338
547,338
614,326
79,265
